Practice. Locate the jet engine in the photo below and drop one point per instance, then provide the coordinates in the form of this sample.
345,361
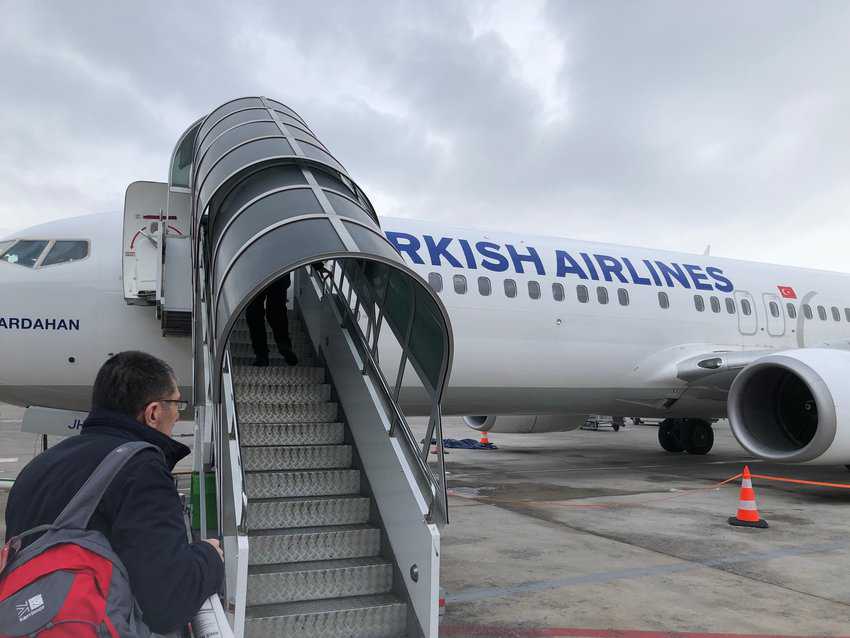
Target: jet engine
526,423
794,406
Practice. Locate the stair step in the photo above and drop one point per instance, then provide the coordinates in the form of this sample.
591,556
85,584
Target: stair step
287,413
276,394
269,584
303,483
253,434
300,348
381,616
318,511
279,375
296,457
239,336
314,544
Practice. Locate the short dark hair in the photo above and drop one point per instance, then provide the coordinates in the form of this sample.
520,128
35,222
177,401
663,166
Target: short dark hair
129,380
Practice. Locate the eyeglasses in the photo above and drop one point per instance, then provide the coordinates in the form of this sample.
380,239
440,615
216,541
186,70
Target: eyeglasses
178,403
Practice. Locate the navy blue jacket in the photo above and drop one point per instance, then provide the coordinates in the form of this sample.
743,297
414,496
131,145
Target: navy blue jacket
140,514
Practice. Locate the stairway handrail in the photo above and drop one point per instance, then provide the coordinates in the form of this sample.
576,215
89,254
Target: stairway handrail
437,497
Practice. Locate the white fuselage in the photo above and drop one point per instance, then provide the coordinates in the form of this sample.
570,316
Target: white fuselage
513,354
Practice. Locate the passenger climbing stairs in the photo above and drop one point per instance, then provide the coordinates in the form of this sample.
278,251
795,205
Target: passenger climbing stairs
319,565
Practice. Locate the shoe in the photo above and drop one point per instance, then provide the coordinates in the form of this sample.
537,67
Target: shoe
261,362
289,357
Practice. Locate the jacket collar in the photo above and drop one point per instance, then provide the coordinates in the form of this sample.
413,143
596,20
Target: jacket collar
108,422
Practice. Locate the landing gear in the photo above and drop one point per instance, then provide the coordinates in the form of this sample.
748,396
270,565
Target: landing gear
692,435
669,435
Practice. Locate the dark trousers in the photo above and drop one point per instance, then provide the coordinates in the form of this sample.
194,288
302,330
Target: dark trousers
272,302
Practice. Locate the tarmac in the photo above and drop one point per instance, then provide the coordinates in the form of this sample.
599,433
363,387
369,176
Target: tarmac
601,534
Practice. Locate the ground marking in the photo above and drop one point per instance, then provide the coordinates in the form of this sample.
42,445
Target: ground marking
11,459
483,593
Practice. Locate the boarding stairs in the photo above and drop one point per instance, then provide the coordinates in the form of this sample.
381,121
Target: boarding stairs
329,502
317,565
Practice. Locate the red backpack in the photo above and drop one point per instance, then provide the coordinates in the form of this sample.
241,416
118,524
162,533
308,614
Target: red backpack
70,583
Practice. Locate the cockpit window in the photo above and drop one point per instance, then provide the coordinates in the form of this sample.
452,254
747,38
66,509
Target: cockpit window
66,250
25,252
5,244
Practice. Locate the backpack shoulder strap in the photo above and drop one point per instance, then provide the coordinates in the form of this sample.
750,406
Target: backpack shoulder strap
82,506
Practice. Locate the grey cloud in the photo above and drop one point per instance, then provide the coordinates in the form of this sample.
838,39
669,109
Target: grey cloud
684,124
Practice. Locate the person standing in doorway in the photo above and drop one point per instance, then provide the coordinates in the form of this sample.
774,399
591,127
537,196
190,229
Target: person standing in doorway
270,305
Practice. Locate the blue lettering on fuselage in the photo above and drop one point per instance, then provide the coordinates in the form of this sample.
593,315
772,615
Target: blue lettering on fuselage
456,252
38,323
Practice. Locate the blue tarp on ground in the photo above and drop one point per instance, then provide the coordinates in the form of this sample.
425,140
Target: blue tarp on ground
467,444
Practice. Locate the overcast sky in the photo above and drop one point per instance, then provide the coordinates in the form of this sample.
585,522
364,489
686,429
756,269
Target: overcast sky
668,124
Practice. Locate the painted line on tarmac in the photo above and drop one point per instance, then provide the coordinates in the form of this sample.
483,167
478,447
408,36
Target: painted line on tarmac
11,421
11,459
484,593
577,632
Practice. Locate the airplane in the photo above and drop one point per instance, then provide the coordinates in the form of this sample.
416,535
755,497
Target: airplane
547,330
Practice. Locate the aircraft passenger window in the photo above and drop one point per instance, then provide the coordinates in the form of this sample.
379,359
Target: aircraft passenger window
730,305
558,292
822,313
699,303
582,294
836,314
774,309
64,251
715,304
25,252
510,288
623,296
602,294
435,280
746,308
847,314
663,300
792,310
460,284
534,290
484,287
807,311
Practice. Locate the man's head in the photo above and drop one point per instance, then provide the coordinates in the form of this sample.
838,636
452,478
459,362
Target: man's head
140,386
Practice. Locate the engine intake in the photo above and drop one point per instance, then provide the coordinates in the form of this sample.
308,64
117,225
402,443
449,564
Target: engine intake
794,406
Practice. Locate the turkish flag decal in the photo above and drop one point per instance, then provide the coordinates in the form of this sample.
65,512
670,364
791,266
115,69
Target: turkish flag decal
787,292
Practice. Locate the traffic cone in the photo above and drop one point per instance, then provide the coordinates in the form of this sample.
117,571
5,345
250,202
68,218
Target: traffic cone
748,513
484,440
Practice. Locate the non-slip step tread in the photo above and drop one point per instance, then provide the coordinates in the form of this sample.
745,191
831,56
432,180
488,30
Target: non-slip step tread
302,483
313,581
285,434
296,457
319,565
278,375
289,413
334,542
318,511
376,616
298,531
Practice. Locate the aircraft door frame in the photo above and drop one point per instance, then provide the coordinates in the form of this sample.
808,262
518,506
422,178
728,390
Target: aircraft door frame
775,325
747,324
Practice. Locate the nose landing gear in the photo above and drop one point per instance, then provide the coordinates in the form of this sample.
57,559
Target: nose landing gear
695,436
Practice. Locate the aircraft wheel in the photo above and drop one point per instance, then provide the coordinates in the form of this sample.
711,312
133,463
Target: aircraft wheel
700,437
669,435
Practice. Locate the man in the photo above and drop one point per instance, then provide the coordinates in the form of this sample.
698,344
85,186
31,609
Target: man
135,398
273,300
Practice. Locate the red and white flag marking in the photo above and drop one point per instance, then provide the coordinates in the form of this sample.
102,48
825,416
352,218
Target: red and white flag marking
787,292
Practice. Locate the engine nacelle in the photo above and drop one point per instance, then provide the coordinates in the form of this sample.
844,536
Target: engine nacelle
526,423
794,406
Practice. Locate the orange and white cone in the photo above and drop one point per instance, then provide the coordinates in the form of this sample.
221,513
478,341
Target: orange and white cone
484,440
748,513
